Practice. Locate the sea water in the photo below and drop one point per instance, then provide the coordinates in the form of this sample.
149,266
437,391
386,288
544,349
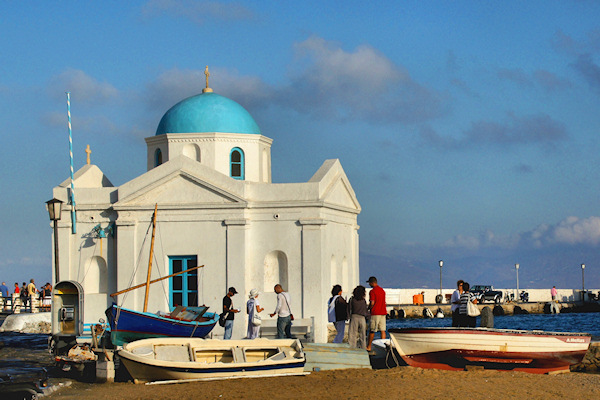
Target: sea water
571,322
31,350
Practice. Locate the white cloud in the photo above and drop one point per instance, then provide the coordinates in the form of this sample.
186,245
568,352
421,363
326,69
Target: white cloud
176,84
539,129
360,84
465,242
83,88
577,231
572,231
326,81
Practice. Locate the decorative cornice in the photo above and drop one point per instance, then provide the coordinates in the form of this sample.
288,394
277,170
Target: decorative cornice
208,137
312,221
234,222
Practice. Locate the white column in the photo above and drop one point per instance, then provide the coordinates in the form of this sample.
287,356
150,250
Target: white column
236,271
315,275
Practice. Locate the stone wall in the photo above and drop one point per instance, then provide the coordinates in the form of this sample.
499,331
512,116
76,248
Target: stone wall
591,361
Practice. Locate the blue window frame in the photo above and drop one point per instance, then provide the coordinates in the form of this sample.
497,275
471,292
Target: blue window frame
183,289
158,158
236,163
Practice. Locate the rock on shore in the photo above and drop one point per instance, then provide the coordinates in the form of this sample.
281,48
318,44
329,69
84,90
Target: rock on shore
27,323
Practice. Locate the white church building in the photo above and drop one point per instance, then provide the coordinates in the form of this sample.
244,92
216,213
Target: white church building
209,173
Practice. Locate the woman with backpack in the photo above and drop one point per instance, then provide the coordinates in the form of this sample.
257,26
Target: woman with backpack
338,312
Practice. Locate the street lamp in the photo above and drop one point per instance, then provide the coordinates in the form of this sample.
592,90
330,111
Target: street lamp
441,265
583,283
517,268
54,207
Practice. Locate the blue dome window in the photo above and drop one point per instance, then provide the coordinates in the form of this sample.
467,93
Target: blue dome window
236,163
158,159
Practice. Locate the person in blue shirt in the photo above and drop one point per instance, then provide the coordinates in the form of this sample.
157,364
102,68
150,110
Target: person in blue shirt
4,289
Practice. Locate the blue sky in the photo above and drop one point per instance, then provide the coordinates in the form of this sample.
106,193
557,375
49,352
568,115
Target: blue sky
469,130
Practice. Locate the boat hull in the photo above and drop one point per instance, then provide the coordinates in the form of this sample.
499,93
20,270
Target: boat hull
456,348
128,325
184,359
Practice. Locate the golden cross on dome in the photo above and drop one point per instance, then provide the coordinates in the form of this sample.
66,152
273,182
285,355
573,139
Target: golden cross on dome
88,152
207,89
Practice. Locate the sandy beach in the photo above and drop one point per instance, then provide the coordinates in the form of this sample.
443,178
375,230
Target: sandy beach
399,382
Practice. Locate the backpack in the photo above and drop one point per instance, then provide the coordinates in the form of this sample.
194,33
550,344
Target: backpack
222,318
331,309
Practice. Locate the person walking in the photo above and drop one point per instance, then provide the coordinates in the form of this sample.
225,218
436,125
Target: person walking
31,292
228,308
252,308
337,310
283,312
46,294
465,319
455,301
23,294
4,294
378,310
4,289
358,318
553,293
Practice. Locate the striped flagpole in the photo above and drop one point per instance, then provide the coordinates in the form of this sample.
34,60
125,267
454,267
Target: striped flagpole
73,213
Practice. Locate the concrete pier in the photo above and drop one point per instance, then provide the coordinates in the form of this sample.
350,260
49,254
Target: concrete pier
416,311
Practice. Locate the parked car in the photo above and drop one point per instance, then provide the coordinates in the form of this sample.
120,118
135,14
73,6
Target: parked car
486,293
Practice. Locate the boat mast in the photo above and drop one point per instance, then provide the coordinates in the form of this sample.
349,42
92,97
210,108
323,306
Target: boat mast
150,259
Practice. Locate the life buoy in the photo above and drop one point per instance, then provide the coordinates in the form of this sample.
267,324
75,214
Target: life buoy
427,313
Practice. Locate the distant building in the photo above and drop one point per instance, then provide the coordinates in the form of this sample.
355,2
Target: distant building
209,171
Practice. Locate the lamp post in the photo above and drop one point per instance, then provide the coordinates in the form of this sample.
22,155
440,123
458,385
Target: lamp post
517,268
54,207
582,283
441,265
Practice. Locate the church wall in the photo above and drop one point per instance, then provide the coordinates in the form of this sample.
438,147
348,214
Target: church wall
82,259
205,239
271,237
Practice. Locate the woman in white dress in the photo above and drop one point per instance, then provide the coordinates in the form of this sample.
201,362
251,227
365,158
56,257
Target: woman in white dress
252,306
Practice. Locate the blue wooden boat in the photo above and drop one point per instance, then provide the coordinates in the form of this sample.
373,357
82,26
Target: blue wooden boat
128,325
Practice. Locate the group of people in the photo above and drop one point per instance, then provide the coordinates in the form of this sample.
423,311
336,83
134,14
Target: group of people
27,291
358,312
253,308
460,300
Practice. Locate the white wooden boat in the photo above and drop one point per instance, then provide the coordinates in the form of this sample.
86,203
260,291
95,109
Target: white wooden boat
160,359
517,350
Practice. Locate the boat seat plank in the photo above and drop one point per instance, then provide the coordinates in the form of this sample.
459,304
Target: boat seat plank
213,356
238,355
260,354
178,353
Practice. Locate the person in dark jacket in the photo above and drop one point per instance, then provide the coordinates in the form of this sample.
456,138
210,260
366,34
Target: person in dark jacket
358,318
338,312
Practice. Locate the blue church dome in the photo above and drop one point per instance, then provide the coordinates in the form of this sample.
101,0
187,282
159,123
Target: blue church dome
207,112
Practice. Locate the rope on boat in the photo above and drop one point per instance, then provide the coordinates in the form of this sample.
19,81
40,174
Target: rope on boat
390,351
132,276
162,284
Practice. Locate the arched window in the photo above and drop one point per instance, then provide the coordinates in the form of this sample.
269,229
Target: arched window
236,163
157,158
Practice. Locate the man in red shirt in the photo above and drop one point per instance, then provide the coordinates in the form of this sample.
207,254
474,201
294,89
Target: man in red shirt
378,310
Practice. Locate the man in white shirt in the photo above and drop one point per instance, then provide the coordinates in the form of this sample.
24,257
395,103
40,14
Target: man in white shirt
284,313
455,300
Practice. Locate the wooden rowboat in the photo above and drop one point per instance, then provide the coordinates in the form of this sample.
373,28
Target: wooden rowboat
454,348
161,359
